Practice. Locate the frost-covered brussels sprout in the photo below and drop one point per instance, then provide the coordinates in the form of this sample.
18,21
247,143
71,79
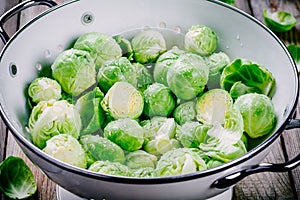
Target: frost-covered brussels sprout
147,46
74,70
120,70
99,148
191,134
66,148
185,112
143,75
279,21
110,168
126,133
49,118
164,62
180,161
188,76
123,101
239,89
213,105
91,113
101,47
158,100
258,114
200,39
140,159
248,73
44,89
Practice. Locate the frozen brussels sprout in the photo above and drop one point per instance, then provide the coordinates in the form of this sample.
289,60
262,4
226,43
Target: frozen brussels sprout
213,105
239,89
188,76
140,159
74,70
191,134
120,70
180,161
164,62
110,168
67,149
185,112
99,148
44,89
279,21
158,100
50,118
201,40
91,113
147,46
126,133
258,114
248,73
123,101
143,75
101,47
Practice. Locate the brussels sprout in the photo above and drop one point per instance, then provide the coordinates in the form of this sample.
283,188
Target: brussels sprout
110,168
101,47
120,70
213,105
99,148
91,113
239,89
67,149
125,45
147,46
180,161
146,172
185,112
49,118
191,134
123,101
213,163
248,73
161,144
44,89
74,70
144,78
279,21
295,52
164,62
16,179
126,133
258,114
188,76
158,100
201,40
140,159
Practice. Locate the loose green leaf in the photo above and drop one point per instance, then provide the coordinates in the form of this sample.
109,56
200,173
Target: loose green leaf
295,52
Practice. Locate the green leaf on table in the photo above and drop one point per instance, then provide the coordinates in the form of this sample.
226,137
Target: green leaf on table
279,21
231,2
295,52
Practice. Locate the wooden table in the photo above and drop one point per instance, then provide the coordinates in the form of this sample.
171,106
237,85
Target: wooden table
259,186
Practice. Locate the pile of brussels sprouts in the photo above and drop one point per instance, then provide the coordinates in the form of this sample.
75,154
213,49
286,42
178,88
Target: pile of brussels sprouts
131,107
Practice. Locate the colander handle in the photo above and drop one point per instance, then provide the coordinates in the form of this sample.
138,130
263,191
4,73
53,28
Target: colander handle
18,8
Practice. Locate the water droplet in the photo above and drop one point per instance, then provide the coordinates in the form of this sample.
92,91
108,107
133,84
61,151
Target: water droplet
162,25
227,47
59,48
241,44
47,53
177,29
38,66
238,37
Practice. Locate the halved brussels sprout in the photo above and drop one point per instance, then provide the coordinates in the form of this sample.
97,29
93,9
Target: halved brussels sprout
279,21
185,112
140,159
110,168
123,101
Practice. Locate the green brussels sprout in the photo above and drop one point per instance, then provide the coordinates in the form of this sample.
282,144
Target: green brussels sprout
158,100
239,89
67,149
123,101
125,45
126,133
295,52
99,148
91,113
147,46
188,76
44,89
140,159
213,163
101,47
50,118
120,70
185,112
145,172
161,144
110,168
74,70
16,179
180,161
213,105
164,62
279,21
201,40
250,74
258,114
191,134
144,78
